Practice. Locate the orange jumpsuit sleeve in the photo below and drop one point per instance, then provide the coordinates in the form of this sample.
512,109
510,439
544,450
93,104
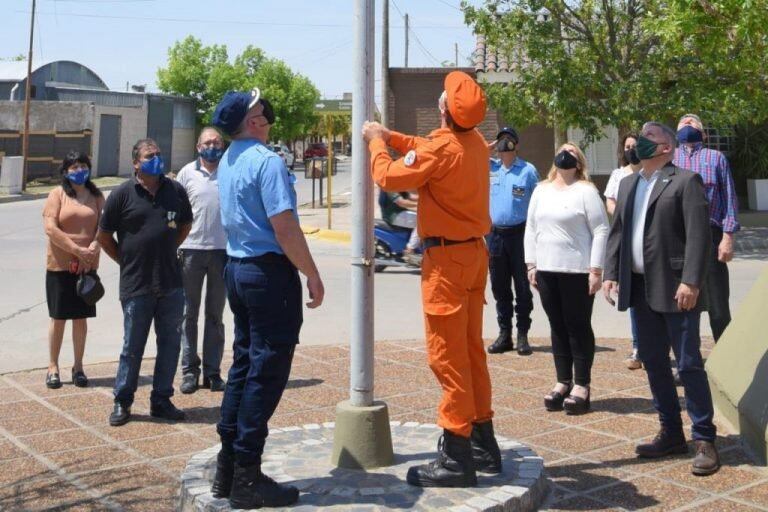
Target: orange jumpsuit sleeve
404,143
395,175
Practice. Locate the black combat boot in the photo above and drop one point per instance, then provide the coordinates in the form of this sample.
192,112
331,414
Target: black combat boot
453,467
253,489
523,348
225,470
503,343
485,449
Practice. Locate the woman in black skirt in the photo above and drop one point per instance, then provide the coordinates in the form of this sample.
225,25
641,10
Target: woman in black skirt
71,217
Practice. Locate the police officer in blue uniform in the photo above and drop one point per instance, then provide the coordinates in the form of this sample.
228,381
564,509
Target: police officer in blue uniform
512,183
266,250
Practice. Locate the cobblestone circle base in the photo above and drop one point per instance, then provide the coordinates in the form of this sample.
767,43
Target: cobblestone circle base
301,456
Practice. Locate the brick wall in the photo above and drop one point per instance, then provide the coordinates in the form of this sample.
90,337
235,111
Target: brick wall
413,109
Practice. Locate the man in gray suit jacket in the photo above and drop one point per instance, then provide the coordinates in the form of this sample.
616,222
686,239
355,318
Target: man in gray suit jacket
656,260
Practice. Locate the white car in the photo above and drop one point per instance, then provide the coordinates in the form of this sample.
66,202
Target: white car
284,153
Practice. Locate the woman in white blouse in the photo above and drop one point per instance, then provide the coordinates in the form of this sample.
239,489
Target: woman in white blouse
565,238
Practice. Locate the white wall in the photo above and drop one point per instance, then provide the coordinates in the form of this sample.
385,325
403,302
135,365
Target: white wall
602,154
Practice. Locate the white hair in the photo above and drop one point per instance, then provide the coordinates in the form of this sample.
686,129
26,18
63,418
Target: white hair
442,102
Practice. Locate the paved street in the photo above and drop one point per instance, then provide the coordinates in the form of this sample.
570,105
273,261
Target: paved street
24,315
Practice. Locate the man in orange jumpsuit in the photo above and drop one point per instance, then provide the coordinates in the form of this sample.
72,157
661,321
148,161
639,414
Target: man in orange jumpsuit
450,170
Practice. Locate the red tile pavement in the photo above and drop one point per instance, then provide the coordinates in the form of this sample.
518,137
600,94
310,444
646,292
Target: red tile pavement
57,451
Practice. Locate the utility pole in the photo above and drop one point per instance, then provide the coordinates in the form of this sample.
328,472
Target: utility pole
362,437
385,63
456,55
406,40
27,94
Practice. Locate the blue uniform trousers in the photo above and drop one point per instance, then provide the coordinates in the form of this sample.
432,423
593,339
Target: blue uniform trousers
657,332
265,296
507,266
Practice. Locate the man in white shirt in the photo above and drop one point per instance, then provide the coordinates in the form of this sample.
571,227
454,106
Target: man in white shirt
203,256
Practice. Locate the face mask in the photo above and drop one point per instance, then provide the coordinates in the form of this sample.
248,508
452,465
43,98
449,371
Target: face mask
689,135
79,177
506,144
646,148
565,160
153,167
211,154
631,156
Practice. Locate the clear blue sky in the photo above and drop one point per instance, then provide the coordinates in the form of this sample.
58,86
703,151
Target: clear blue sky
127,40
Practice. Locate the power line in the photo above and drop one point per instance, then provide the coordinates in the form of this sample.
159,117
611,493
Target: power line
230,22
423,48
450,5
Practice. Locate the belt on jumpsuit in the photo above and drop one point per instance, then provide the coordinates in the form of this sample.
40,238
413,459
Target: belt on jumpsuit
434,241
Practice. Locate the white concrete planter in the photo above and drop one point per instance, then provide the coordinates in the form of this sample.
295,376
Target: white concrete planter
758,194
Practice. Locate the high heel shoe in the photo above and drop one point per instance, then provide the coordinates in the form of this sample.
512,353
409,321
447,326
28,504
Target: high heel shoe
577,405
554,400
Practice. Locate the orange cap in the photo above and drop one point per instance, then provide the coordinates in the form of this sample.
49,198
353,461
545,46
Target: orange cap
466,100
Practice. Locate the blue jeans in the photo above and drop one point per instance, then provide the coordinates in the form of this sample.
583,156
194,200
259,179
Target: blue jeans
265,297
138,313
657,332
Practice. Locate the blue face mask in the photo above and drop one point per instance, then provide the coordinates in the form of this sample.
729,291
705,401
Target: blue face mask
211,154
689,135
153,167
79,177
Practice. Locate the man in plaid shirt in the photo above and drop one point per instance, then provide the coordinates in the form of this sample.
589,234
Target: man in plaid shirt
723,205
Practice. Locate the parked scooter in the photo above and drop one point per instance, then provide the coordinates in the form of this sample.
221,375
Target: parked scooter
390,243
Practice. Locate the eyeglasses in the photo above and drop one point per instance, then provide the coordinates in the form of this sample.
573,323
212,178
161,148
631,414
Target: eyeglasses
150,156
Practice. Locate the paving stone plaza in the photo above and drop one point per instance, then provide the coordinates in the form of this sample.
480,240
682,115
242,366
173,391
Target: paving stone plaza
58,453
302,455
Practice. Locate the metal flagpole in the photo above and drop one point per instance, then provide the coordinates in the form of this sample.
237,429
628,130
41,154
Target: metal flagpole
361,347
362,437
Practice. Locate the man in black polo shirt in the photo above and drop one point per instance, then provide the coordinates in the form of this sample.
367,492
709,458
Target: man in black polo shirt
151,216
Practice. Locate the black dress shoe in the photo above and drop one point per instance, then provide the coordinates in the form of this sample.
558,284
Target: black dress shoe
53,381
188,384
503,343
225,471
166,410
666,442
523,348
253,489
214,383
454,466
79,379
485,449
120,415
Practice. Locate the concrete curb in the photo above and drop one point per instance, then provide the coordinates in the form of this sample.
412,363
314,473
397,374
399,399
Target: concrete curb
328,235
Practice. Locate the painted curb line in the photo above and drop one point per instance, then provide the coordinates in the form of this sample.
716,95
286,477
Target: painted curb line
328,235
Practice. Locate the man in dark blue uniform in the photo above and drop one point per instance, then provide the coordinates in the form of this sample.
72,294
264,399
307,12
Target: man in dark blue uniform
512,183
266,251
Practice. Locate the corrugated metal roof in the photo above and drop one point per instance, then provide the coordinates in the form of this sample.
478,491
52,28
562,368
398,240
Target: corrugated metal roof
106,98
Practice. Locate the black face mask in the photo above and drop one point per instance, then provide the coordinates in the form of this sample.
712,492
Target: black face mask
506,144
631,156
565,160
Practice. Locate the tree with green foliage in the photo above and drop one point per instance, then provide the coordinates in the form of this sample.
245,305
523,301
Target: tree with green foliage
593,63
205,74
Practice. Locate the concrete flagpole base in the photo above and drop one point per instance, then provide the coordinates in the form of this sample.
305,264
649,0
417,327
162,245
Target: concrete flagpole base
362,438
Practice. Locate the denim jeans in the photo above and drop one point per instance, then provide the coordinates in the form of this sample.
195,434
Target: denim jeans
138,313
265,297
198,266
633,326
657,333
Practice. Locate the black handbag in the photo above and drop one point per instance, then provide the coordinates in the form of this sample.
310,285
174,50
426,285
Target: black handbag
89,288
